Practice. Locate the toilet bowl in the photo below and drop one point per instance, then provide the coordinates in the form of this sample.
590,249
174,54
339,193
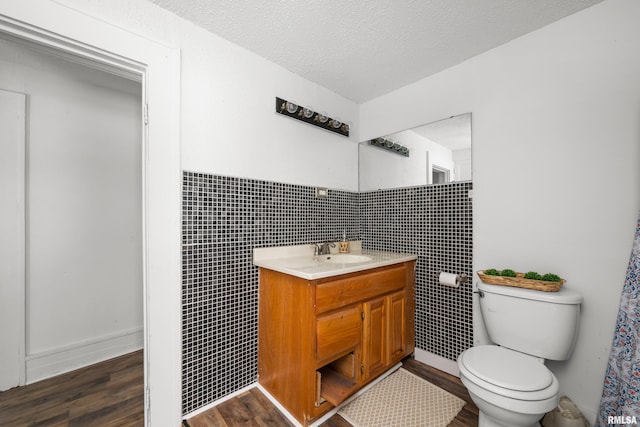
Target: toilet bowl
511,389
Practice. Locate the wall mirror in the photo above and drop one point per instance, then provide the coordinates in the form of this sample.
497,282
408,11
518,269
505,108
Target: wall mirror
435,153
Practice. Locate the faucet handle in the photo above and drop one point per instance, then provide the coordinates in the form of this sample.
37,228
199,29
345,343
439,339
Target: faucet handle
323,248
326,247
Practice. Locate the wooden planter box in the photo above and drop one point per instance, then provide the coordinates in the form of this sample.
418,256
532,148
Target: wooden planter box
520,282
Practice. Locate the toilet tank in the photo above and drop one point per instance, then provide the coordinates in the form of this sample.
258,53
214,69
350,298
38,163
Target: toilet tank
542,324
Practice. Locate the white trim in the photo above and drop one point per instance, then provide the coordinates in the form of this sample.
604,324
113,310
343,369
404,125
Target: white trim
68,49
438,362
22,250
13,249
219,401
46,364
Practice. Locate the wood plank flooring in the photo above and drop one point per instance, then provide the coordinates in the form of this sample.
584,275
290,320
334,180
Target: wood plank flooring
252,408
468,416
110,393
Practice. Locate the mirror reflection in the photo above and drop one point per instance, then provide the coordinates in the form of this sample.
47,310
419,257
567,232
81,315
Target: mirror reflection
434,153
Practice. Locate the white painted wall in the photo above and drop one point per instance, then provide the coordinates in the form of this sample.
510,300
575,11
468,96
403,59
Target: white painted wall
382,169
462,164
84,216
556,97
550,109
13,119
229,124
224,97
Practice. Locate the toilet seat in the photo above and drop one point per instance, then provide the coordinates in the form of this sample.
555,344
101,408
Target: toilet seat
508,373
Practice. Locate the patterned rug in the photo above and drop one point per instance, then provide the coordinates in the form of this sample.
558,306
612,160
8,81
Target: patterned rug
403,399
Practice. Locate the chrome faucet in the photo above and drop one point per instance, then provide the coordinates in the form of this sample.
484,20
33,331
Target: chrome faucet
323,248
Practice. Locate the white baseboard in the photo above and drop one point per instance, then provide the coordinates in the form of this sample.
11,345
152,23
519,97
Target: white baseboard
438,362
219,401
46,364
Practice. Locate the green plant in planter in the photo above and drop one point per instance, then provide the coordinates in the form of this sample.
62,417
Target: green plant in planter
550,277
492,272
532,275
508,273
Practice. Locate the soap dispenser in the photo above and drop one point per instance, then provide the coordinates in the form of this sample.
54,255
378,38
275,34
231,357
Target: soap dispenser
343,245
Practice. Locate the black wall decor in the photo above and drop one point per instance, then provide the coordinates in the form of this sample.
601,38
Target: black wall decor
224,218
307,115
435,222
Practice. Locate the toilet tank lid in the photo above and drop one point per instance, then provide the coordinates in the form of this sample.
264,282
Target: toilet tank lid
563,296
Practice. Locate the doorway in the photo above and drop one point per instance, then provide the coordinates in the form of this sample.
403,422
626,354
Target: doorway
92,41
439,175
76,284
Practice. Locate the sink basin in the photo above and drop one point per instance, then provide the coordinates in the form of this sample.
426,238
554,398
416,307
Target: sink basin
343,258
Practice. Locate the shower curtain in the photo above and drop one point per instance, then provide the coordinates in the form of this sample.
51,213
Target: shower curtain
621,390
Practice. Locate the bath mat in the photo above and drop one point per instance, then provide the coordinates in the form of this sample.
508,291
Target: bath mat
403,399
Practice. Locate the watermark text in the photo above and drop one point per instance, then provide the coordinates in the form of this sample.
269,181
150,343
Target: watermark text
622,419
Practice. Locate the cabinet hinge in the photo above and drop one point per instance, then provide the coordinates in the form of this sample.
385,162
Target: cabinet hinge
363,315
146,114
362,368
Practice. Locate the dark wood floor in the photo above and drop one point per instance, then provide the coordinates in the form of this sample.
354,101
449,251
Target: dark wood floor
110,393
252,408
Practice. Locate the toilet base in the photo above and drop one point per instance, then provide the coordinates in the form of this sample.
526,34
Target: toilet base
491,415
486,421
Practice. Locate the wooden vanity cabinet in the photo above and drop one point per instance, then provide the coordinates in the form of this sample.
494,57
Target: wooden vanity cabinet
320,341
398,326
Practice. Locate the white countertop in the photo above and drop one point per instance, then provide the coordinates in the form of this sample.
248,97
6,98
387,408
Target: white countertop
299,260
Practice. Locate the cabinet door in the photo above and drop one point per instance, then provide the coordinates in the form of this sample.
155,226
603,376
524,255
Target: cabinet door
397,326
374,337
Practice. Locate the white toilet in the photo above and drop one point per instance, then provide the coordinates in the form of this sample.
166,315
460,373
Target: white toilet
508,381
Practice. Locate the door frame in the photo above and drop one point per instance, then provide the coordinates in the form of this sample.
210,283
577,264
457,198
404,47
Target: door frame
93,42
15,307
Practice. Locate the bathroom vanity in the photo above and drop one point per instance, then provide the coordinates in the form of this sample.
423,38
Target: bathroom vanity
329,325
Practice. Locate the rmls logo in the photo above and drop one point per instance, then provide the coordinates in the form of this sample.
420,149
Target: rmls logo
622,419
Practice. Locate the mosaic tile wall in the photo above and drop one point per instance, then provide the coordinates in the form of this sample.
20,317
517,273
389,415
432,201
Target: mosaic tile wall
435,223
223,219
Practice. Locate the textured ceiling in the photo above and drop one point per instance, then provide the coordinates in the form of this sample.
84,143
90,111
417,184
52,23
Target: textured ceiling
362,49
453,133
